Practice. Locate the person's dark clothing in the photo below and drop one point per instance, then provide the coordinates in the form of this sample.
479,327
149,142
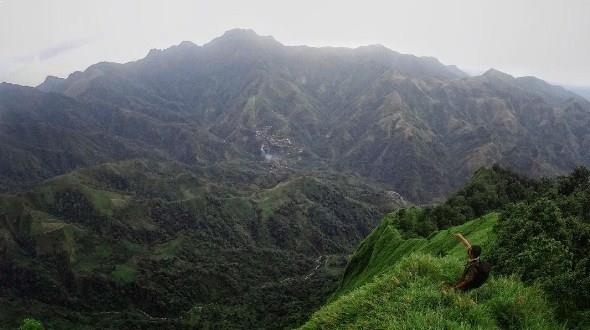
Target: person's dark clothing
475,274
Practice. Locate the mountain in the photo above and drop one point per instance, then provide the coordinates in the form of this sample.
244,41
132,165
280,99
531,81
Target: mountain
582,91
412,123
223,185
47,134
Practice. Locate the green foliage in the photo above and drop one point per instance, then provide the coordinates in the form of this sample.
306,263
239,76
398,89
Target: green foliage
124,273
546,241
31,324
489,189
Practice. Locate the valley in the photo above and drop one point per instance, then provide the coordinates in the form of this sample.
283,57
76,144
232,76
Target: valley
225,185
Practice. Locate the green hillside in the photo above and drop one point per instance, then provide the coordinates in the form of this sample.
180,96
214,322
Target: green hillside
535,233
396,283
385,247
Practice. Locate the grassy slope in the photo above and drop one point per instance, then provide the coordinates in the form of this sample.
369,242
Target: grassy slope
393,283
384,247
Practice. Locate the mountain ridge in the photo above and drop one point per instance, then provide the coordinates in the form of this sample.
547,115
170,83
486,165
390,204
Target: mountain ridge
350,108
212,180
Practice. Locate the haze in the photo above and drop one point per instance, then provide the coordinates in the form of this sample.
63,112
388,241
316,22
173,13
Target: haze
547,39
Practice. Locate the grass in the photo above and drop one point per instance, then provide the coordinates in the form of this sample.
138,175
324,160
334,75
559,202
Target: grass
169,249
412,295
103,201
396,283
124,273
384,247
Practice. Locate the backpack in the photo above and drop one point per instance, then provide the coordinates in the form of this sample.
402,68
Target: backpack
483,272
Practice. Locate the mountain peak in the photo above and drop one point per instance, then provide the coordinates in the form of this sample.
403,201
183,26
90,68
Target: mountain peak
494,73
51,84
244,36
241,33
188,44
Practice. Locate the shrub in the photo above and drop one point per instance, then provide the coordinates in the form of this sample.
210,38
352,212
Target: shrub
545,240
31,324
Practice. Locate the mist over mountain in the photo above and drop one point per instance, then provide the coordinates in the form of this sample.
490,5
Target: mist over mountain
582,91
232,179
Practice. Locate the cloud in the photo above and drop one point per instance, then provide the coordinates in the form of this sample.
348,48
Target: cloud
63,47
30,68
54,50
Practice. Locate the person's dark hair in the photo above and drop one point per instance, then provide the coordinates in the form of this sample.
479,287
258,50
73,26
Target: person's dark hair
475,251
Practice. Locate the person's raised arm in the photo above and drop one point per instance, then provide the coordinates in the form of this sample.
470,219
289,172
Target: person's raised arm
463,240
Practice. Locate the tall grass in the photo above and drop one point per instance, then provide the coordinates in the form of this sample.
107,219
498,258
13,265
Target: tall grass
384,247
413,295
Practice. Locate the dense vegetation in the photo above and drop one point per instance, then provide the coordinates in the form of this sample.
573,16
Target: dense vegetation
537,238
546,240
223,185
488,190
160,245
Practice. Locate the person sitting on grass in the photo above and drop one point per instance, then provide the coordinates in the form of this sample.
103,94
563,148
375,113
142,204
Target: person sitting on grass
476,272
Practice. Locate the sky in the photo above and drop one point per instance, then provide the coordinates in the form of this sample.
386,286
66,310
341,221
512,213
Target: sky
549,39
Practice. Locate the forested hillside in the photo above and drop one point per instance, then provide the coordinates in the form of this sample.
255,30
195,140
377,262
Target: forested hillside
151,245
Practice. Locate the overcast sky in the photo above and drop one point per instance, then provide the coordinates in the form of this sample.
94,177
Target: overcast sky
548,39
